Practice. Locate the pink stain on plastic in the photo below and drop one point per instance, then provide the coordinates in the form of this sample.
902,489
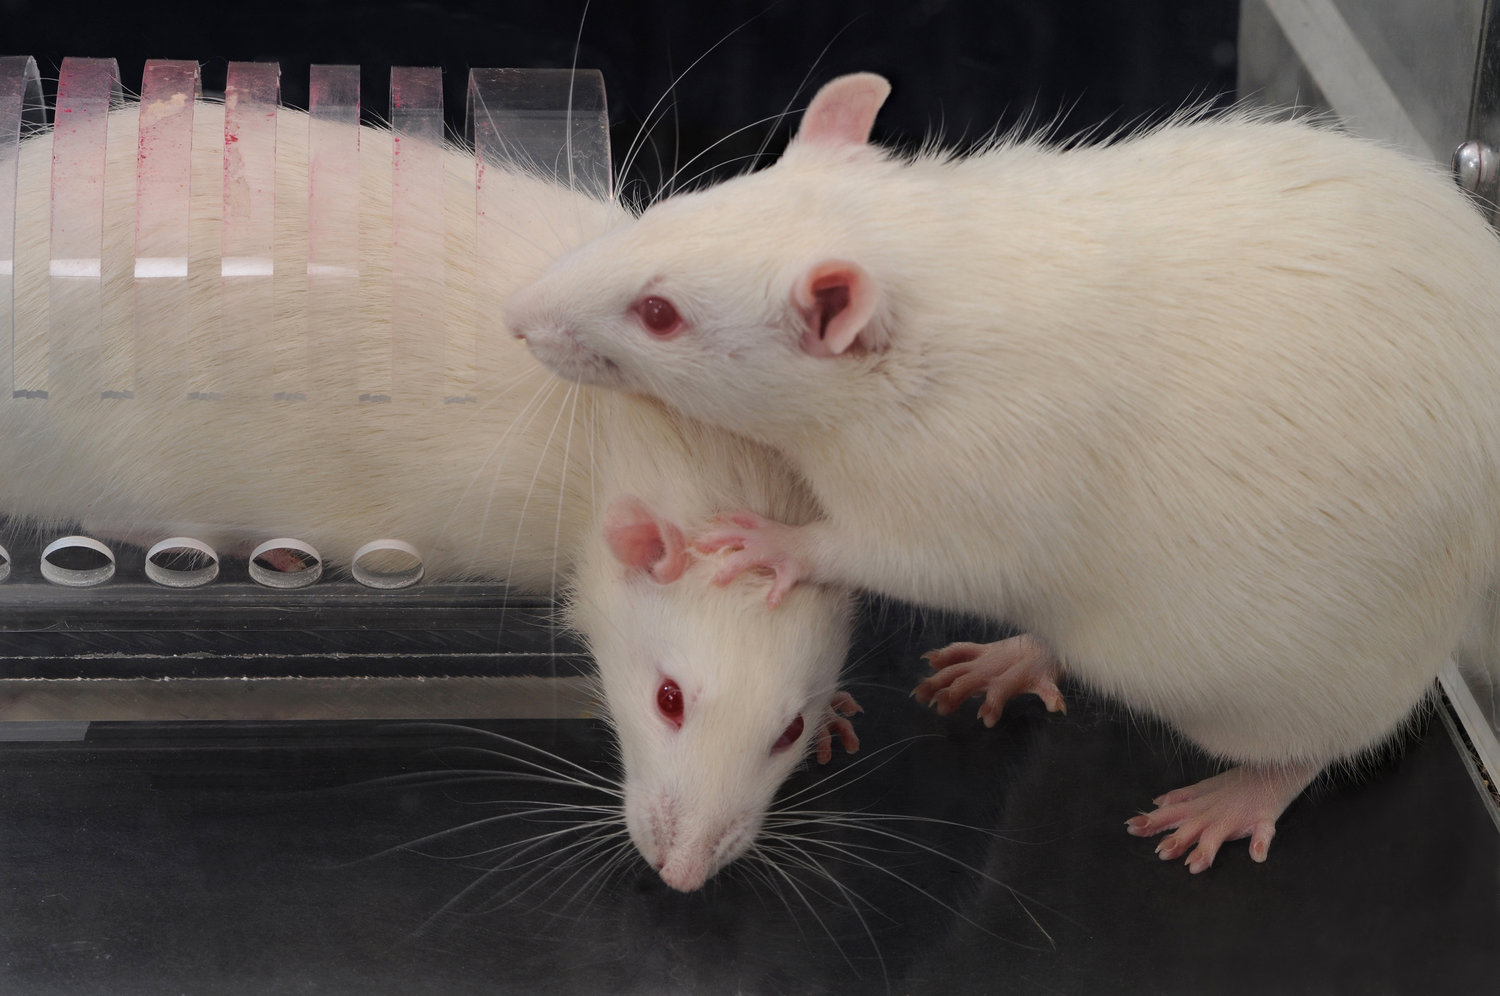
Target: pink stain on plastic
164,168
247,235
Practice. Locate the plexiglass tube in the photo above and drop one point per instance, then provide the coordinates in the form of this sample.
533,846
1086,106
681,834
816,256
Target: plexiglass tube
164,168
87,90
248,236
333,187
157,343
418,237
20,106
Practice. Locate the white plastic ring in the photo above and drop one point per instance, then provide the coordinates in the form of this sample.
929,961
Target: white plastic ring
4,564
173,577
383,577
272,578
70,577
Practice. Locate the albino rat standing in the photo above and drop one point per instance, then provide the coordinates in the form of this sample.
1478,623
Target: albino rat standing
714,698
1209,412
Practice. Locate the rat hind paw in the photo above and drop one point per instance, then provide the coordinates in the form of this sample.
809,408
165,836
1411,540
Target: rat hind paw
836,724
998,671
1238,803
755,543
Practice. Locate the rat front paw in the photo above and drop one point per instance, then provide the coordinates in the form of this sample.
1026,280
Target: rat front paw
836,724
998,671
755,543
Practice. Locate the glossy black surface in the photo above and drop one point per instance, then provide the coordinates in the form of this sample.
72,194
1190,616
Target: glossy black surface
254,858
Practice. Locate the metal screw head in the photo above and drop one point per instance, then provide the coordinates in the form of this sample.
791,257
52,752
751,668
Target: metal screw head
1474,166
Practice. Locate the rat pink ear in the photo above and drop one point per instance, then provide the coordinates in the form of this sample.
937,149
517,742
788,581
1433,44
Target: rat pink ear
642,541
837,300
843,112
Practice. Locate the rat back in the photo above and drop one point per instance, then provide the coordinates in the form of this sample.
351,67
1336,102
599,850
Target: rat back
484,488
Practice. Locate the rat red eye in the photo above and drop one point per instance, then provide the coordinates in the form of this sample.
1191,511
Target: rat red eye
659,316
788,736
669,701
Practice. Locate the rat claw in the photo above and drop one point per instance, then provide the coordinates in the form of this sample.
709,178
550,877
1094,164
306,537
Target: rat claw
785,581
843,703
1260,841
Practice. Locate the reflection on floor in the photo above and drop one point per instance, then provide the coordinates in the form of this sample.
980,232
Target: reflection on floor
151,858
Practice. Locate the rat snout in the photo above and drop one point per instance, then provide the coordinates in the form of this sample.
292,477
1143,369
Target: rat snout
683,848
572,355
697,852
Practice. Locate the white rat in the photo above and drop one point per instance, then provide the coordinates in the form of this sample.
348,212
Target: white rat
531,484
1209,412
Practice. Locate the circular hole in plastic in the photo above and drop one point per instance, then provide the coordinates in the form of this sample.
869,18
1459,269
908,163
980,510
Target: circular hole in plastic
4,564
386,563
285,563
77,562
182,562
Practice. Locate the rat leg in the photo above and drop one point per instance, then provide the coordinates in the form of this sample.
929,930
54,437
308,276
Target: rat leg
1241,802
836,723
758,542
1000,671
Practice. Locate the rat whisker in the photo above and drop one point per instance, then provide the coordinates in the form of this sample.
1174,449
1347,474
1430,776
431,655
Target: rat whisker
415,845
854,853
627,161
806,862
586,775
862,767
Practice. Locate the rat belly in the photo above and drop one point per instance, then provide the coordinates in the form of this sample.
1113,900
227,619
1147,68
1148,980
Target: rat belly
1296,668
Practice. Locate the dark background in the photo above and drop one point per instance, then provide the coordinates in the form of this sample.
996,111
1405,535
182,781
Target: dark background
959,67
161,858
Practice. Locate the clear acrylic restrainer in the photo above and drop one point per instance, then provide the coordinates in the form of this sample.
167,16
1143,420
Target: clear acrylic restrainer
248,237
164,168
21,110
333,229
418,180
550,124
87,90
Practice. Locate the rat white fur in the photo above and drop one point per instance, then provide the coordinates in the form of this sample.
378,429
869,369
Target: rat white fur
511,487
697,794
1211,411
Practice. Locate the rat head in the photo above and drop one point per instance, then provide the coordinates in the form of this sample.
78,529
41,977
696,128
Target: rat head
717,300
714,697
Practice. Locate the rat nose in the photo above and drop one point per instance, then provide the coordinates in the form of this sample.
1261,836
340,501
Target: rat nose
518,332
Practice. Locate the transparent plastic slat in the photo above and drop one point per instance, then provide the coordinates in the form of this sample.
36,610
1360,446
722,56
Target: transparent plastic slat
419,288
87,90
248,237
164,168
550,124
333,228
20,107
